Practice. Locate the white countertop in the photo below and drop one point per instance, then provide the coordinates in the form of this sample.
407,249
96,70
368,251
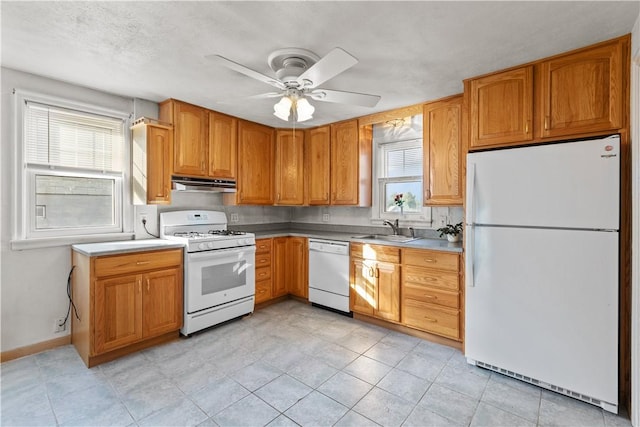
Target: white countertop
123,246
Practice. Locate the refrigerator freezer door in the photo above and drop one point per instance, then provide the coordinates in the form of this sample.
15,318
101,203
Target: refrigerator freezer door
545,305
565,185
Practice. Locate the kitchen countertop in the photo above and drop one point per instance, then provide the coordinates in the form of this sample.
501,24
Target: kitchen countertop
420,243
124,246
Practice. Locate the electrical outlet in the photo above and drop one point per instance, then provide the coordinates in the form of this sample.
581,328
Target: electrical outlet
442,220
143,218
59,325
234,217
325,217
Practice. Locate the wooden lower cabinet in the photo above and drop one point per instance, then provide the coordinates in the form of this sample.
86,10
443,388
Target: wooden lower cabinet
290,266
263,270
125,302
374,283
431,295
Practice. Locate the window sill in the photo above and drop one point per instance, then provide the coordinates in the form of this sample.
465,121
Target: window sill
50,242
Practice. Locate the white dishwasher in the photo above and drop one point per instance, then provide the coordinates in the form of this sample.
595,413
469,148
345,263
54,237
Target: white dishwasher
329,274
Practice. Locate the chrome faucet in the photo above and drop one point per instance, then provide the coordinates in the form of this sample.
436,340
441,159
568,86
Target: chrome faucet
394,225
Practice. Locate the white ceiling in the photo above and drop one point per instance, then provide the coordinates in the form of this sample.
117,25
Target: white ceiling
409,52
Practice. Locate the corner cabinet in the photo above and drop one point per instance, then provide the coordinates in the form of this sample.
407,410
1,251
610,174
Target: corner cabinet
255,164
126,302
350,175
501,108
152,147
289,171
375,281
290,266
318,175
190,124
443,169
582,92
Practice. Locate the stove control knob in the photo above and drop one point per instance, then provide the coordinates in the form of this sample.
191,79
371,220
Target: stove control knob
202,246
210,244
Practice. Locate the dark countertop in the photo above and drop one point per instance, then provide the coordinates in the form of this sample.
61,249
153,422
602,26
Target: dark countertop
420,243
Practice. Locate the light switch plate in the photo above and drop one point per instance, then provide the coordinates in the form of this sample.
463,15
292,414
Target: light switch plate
325,217
234,217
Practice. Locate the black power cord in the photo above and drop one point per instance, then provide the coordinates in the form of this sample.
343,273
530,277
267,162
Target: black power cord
144,225
71,303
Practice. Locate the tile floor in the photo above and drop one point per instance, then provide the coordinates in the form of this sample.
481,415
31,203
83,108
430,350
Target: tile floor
288,364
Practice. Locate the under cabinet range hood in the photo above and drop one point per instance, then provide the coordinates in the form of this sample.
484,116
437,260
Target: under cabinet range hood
187,183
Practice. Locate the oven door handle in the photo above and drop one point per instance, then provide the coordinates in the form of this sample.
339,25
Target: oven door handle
220,253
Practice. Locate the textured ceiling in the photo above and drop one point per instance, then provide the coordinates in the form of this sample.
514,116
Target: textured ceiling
409,52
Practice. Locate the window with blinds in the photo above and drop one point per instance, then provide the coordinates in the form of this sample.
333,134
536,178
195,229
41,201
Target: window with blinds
74,163
399,170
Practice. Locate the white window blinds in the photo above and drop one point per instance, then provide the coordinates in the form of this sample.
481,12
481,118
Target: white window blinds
404,162
59,137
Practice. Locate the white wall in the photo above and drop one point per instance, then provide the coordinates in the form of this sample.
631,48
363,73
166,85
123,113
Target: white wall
33,282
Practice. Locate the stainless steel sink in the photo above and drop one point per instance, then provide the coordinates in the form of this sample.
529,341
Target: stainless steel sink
387,237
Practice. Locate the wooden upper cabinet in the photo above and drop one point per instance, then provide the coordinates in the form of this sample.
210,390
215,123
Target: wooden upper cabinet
501,108
289,172
318,149
189,138
582,92
151,157
255,163
350,164
442,152
223,145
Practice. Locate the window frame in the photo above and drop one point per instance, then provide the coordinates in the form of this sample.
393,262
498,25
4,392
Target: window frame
23,188
422,218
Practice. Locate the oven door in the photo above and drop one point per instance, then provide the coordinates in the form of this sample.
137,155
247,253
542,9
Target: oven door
219,276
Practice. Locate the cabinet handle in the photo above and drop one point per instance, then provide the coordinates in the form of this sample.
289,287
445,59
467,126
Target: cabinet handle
142,262
278,196
377,272
139,285
430,260
429,319
546,122
429,296
370,271
202,165
526,127
147,284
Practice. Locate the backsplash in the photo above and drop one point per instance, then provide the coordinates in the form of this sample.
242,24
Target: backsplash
338,216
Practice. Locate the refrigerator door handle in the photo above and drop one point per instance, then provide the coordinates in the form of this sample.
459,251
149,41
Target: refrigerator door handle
470,228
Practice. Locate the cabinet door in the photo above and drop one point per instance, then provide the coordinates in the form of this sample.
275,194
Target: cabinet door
118,312
501,108
298,266
190,139
223,145
344,163
162,302
280,266
582,92
362,287
387,277
318,146
159,146
289,172
442,152
255,164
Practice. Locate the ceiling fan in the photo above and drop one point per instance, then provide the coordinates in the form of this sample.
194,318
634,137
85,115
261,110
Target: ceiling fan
299,72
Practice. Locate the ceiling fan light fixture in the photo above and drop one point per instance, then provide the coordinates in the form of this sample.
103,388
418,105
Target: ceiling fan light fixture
304,110
282,108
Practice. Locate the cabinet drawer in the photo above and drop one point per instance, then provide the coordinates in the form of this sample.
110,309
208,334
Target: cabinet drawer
434,259
419,276
264,245
430,295
263,260
376,252
263,273
263,291
132,263
441,321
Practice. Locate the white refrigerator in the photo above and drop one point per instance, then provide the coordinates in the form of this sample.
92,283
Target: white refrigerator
541,266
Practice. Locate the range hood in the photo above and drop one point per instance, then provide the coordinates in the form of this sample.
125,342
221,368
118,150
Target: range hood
187,183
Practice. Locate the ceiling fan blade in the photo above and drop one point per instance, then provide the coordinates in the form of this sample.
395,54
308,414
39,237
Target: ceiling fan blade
244,98
246,71
329,66
342,97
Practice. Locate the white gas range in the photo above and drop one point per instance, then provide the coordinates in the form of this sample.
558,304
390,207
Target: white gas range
219,267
